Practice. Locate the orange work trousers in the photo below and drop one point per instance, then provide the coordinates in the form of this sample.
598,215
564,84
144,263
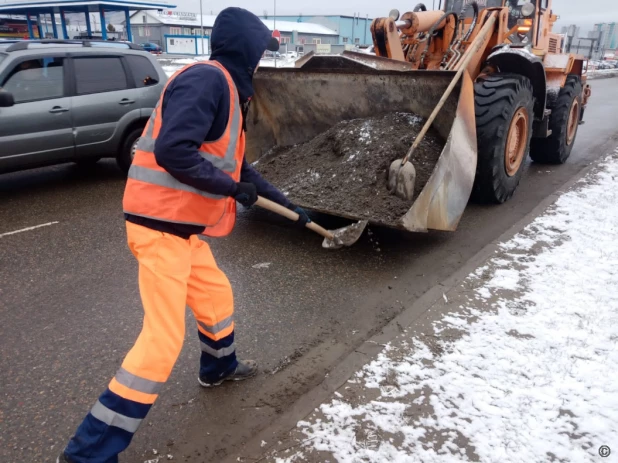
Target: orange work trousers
173,273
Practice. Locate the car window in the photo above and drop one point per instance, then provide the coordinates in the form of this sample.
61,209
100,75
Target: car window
98,75
143,71
36,79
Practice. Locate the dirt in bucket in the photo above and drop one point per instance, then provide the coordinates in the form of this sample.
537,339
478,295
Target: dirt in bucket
345,169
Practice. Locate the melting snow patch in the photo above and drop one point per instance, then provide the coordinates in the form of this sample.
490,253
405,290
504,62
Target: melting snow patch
504,278
484,293
262,265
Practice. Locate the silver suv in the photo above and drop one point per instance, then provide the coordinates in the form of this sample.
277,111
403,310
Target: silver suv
64,100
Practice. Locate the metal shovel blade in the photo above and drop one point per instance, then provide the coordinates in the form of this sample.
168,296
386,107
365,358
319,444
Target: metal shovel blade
345,236
401,179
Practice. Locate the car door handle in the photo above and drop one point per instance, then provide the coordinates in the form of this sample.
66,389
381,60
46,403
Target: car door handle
58,109
126,101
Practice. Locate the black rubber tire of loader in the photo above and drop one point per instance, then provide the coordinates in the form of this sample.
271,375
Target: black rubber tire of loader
498,97
554,149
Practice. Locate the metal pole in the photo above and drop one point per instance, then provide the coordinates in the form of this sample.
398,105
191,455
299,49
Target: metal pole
127,25
88,26
39,26
30,31
103,24
53,21
63,22
275,24
365,37
202,26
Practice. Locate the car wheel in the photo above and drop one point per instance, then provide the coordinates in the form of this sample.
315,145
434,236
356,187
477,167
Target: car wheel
127,151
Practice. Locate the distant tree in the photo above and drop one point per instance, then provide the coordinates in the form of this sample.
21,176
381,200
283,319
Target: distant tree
111,28
300,18
265,14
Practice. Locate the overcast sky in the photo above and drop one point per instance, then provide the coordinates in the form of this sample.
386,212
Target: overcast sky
582,12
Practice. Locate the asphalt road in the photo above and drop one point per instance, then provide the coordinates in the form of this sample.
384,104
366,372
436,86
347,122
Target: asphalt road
70,307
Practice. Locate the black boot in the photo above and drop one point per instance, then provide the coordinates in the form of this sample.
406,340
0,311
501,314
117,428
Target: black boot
245,369
63,459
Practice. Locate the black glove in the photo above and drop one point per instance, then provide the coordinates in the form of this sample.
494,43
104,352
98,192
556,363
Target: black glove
303,218
245,194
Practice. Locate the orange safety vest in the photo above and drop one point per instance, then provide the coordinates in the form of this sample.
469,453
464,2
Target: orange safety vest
152,192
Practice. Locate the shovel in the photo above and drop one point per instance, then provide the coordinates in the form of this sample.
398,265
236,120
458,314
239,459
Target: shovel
333,239
401,174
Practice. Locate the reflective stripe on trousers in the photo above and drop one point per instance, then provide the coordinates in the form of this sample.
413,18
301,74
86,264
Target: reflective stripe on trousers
173,273
112,418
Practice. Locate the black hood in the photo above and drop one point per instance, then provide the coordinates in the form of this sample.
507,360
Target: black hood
239,39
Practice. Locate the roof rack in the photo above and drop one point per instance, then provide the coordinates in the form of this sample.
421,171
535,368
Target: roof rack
25,44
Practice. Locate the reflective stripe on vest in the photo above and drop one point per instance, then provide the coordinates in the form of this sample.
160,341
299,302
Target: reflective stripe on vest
226,163
152,192
156,177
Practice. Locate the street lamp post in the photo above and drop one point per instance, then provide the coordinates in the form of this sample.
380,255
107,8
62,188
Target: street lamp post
202,27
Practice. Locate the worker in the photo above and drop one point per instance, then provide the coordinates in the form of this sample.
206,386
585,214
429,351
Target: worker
187,174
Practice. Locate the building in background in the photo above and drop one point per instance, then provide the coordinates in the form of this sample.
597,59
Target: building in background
592,46
42,16
15,27
180,32
294,35
608,35
571,30
177,32
586,46
351,30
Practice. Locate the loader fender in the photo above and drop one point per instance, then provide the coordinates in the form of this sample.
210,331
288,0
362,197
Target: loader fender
520,61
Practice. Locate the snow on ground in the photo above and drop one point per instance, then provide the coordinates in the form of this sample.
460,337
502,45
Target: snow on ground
524,368
171,65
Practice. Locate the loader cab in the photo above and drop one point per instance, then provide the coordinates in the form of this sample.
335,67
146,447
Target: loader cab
457,5
521,18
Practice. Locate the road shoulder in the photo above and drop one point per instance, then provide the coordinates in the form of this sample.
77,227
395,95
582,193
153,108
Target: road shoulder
417,320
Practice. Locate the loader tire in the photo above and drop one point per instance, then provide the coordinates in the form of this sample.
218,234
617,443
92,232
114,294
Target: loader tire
563,124
504,106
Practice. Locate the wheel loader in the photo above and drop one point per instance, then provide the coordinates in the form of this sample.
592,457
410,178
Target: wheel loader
518,94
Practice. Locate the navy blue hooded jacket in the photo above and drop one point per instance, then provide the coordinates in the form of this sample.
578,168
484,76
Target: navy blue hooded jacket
196,108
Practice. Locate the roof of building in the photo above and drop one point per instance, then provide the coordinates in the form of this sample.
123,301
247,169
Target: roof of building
317,16
23,6
174,18
302,28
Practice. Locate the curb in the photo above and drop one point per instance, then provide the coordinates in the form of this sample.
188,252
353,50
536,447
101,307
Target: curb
608,75
371,347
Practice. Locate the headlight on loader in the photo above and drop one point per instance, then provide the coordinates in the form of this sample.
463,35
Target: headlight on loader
527,9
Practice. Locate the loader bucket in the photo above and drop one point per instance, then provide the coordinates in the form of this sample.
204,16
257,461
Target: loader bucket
293,105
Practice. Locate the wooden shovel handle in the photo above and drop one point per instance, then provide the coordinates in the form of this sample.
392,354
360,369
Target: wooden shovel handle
285,212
